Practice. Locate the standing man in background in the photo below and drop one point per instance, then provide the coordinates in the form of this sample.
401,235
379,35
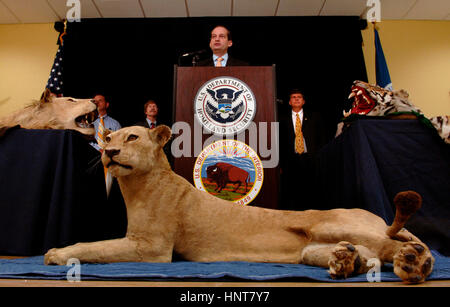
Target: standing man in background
151,111
301,137
103,121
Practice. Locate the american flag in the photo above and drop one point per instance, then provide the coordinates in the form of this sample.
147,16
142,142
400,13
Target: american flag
55,81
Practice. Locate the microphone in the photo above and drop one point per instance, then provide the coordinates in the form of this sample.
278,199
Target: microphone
195,52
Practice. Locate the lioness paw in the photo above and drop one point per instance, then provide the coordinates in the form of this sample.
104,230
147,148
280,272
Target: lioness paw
344,260
55,256
413,262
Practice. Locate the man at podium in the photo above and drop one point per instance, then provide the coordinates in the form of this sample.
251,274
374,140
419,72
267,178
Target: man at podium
219,44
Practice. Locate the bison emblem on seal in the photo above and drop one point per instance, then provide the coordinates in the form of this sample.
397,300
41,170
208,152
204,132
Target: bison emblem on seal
223,173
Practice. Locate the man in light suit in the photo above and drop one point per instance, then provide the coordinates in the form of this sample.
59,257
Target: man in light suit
298,167
219,44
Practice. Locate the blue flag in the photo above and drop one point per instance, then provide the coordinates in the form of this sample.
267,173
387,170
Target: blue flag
382,71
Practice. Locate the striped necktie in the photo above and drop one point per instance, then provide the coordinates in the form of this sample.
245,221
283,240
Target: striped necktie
101,133
219,62
299,146
101,141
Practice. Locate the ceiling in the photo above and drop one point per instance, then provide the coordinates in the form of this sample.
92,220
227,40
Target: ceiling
47,11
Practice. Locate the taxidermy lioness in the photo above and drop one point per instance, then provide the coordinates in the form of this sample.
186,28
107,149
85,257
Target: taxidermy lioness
166,214
55,113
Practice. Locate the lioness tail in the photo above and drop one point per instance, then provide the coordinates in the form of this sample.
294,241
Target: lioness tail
406,204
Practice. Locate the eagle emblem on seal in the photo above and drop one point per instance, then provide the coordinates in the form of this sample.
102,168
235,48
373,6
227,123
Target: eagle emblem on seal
224,104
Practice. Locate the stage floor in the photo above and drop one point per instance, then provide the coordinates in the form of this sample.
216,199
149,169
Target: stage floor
58,283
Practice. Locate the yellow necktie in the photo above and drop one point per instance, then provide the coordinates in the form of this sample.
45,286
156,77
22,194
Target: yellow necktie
101,140
101,133
219,62
299,146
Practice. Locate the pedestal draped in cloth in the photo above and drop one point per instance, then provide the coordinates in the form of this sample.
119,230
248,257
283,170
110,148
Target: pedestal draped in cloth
52,193
374,159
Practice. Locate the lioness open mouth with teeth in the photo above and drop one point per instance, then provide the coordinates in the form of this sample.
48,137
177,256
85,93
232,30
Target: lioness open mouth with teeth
55,113
86,120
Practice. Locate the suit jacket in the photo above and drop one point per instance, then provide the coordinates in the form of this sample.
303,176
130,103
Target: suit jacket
145,124
230,62
313,132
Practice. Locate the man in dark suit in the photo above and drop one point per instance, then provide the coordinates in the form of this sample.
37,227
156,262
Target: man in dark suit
301,136
151,113
151,121
219,44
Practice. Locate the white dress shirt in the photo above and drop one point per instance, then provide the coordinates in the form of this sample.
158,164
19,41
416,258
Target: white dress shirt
149,122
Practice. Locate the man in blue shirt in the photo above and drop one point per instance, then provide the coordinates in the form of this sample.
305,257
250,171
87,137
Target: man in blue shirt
109,122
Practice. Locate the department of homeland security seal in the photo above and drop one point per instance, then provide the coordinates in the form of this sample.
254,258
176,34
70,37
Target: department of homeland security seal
225,105
230,170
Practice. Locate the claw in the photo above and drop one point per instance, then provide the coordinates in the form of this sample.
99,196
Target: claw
407,268
415,279
426,268
418,248
350,247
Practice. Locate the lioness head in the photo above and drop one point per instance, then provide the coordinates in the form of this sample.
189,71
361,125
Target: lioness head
135,150
72,113
55,113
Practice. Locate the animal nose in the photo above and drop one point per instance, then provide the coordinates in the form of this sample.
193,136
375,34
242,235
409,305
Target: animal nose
112,152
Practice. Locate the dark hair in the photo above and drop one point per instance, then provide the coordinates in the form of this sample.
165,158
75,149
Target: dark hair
150,101
103,95
228,31
296,91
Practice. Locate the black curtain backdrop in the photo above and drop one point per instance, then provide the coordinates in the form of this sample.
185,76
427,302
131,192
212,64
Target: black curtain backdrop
132,60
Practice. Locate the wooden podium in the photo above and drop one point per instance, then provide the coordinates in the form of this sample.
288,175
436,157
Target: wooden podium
261,81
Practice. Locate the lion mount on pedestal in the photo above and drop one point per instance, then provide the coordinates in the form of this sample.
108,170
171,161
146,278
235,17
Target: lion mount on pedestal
167,215
55,113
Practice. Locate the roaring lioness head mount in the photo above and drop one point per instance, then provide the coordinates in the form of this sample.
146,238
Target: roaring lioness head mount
55,113
136,150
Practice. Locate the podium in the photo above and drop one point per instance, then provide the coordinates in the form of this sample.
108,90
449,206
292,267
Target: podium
221,90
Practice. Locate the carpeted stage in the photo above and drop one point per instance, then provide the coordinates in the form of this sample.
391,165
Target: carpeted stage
33,268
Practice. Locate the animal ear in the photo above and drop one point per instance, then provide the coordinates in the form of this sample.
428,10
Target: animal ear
107,132
163,134
46,96
402,93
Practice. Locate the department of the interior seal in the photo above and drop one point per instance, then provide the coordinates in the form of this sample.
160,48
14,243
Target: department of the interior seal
230,170
225,105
